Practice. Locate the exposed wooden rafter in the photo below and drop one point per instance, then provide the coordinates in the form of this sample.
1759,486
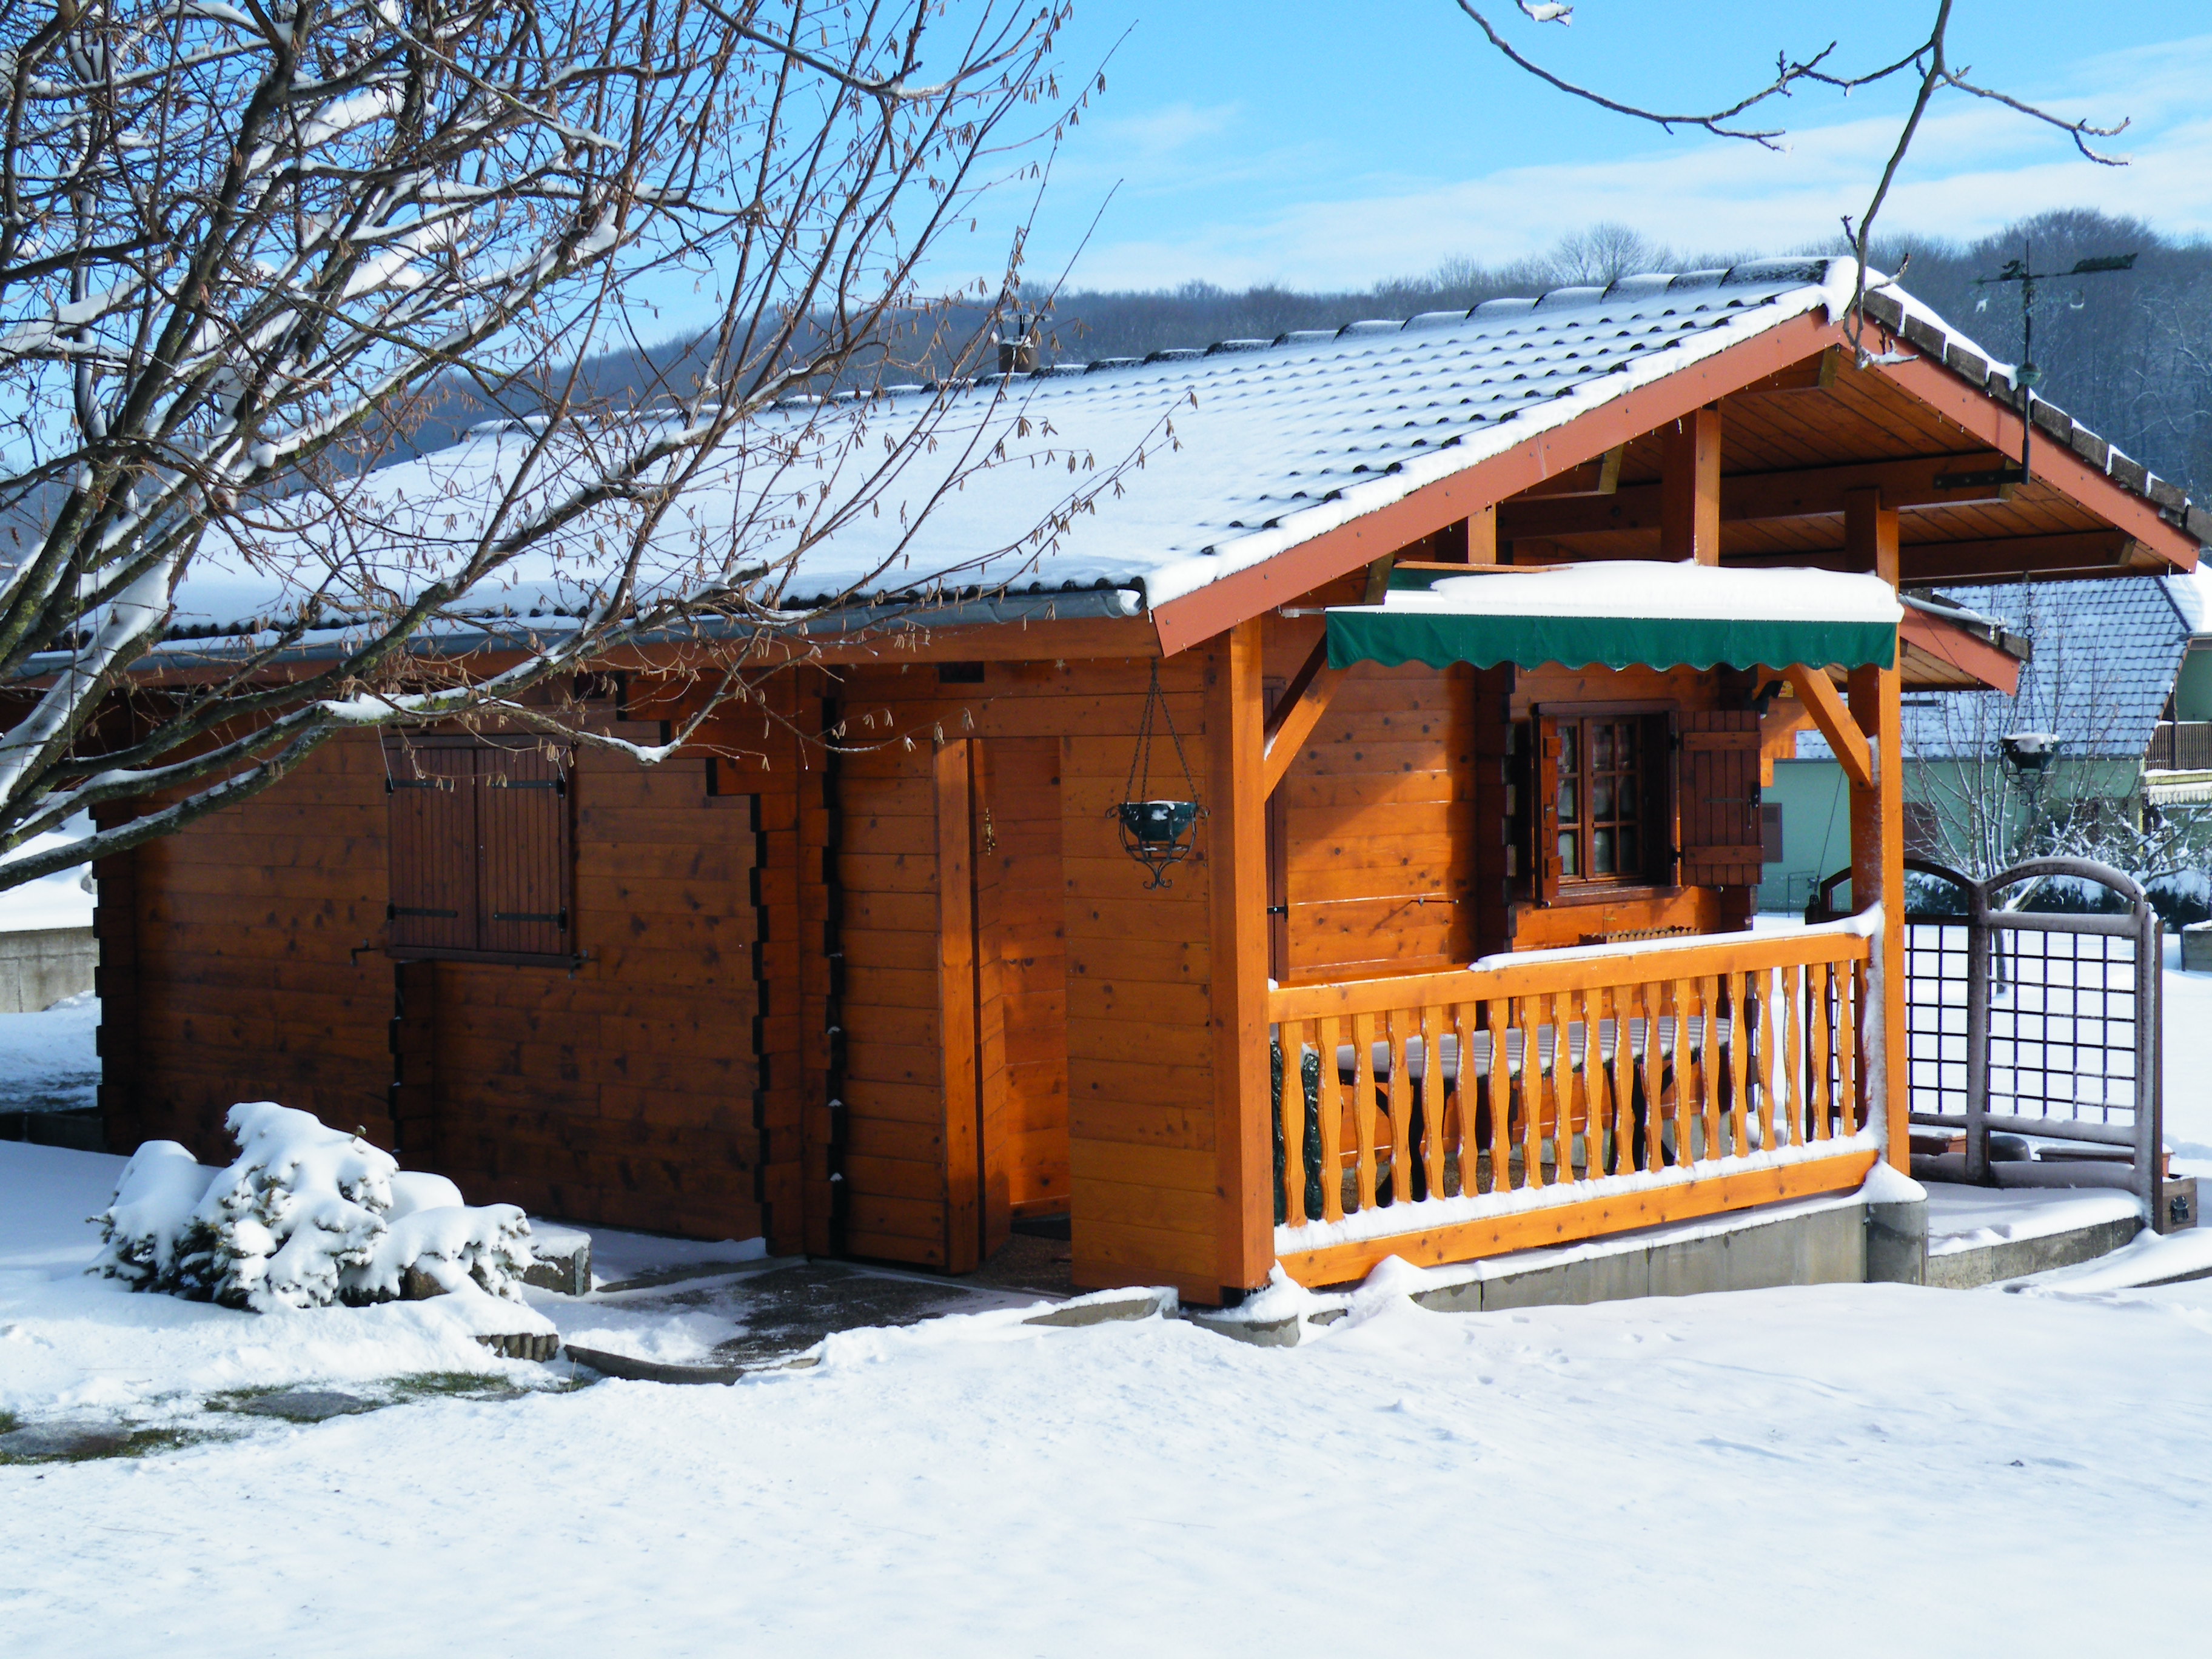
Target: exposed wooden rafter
1810,493
1599,477
2098,552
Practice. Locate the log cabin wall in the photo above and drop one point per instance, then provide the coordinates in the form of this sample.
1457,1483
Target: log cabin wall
1396,845
1374,824
627,1091
659,1085
1139,1055
241,959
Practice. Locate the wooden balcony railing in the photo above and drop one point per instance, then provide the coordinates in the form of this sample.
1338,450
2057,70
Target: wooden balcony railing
1648,1061
2180,746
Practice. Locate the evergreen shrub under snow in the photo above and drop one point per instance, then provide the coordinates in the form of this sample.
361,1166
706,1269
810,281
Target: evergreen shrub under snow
305,1217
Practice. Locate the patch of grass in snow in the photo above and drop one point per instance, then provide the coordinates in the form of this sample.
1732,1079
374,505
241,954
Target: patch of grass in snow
96,1448
233,1400
9,1422
475,1385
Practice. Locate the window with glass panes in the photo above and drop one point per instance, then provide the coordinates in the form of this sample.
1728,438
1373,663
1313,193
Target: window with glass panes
1599,828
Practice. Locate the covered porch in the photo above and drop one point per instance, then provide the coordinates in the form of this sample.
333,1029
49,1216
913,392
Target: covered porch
1668,1064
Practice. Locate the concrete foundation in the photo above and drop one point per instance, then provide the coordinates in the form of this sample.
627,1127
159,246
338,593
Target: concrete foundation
1835,1241
1811,1245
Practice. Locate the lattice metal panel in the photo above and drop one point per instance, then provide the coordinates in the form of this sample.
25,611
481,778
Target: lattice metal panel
2064,1016
1937,955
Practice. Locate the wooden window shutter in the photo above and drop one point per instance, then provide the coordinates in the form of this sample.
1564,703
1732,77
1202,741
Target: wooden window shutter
433,848
1544,856
478,854
1723,841
522,846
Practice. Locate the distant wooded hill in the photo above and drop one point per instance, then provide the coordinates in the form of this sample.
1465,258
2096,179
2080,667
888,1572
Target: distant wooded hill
2130,354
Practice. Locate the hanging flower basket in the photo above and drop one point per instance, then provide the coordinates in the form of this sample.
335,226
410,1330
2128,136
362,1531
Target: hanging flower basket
1150,822
1157,833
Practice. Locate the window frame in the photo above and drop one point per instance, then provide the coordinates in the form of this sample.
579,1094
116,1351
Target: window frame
1662,852
482,889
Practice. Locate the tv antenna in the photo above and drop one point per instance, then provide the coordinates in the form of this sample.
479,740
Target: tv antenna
2022,271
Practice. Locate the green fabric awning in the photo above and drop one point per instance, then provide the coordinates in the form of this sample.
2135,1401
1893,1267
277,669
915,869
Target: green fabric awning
1619,613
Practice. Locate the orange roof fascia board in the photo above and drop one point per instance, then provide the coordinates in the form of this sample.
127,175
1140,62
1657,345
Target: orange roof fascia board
1200,615
2050,462
1965,650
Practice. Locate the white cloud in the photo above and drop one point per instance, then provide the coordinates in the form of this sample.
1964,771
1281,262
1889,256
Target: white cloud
1974,168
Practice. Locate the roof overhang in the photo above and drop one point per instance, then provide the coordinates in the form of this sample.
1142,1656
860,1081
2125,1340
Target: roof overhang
1943,648
1207,611
1622,613
2133,534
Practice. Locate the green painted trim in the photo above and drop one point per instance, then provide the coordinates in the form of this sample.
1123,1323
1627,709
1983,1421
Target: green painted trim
1442,638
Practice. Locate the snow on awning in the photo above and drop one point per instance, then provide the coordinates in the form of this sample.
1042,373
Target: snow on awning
1620,612
2178,788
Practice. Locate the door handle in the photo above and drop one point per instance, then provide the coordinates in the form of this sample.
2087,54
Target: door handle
990,833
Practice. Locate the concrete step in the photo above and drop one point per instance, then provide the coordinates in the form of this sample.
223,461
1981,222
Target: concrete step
1981,1236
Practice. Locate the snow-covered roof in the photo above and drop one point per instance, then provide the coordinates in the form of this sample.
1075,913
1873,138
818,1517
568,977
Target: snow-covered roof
2106,654
1128,482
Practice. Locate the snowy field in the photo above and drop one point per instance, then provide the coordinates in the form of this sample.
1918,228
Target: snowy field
1809,1472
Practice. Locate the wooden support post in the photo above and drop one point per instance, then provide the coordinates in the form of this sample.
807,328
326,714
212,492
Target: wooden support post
956,1001
1690,488
1482,536
1878,823
1237,861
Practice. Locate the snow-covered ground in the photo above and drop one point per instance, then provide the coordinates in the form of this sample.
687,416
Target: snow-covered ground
61,900
1812,1472
51,1061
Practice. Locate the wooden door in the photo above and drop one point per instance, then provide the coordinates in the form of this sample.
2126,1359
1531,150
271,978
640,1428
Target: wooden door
1021,982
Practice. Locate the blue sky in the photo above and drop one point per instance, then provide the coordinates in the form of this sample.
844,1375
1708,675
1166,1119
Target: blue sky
1332,145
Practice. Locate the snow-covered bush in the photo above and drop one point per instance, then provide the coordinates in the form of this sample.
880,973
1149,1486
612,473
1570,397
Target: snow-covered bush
449,1246
148,1231
418,1189
300,1205
306,1216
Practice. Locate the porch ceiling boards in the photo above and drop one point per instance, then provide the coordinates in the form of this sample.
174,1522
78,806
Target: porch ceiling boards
1787,451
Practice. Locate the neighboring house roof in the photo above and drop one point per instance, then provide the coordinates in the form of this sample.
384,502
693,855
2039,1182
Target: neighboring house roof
2106,654
1120,486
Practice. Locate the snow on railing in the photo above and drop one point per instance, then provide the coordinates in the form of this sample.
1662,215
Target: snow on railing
1739,1053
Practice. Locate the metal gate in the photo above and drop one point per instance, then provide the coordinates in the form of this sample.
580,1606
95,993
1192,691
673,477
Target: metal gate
2040,1024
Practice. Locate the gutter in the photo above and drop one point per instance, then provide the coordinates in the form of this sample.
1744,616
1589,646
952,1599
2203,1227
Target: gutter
526,635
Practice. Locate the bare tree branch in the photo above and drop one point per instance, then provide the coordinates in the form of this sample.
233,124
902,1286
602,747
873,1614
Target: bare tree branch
243,253
1928,61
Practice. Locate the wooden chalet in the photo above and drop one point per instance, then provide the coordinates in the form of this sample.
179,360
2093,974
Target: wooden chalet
1457,962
